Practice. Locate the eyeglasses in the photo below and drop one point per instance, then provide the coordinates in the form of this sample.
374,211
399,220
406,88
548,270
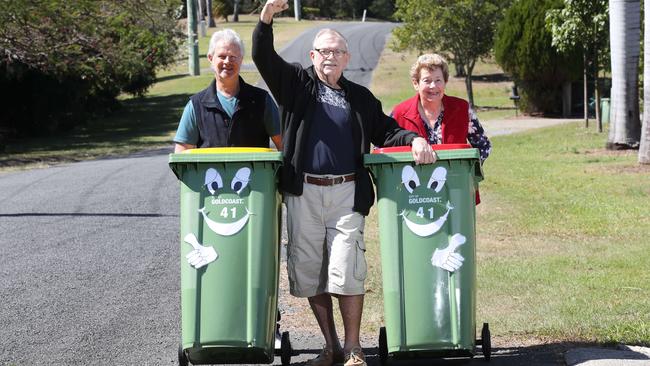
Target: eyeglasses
325,52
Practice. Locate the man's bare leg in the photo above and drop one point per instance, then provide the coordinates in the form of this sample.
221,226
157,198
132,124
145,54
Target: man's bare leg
351,311
322,307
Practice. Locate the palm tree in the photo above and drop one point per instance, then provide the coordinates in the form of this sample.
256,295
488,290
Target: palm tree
625,29
644,147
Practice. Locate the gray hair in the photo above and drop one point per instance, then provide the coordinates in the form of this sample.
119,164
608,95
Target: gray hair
228,36
430,61
331,32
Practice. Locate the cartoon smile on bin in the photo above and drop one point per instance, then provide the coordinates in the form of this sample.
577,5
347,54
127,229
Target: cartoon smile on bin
436,182
227,208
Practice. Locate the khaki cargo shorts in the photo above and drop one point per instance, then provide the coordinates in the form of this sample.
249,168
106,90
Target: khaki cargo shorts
326,251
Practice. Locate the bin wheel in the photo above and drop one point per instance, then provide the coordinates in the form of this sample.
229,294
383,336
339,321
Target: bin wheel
287,351
383,346
486,343
182,357
277,341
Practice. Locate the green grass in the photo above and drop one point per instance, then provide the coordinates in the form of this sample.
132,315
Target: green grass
566,237
140,124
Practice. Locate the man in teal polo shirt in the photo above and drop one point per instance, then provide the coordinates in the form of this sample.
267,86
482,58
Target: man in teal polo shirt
229,112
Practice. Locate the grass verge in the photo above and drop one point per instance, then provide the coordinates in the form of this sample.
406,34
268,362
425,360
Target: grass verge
565,226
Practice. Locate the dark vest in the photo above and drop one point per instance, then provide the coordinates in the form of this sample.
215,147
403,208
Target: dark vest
217,129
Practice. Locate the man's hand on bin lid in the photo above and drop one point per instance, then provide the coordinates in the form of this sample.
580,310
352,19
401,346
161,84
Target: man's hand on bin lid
422,151
446,258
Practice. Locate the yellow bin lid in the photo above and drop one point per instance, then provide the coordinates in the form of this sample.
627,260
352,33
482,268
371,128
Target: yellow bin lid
227,150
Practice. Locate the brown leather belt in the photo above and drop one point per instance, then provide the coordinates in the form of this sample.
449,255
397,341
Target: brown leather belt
321,181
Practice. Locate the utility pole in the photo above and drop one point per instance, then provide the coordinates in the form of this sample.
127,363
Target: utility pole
210,18
200,22
296,9
192,39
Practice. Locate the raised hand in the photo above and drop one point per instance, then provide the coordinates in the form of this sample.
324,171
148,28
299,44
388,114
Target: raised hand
271,8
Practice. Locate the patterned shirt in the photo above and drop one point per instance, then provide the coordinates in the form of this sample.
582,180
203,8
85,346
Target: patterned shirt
330,147
475,134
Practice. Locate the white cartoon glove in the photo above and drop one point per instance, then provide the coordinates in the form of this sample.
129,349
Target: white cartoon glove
446,258
201,255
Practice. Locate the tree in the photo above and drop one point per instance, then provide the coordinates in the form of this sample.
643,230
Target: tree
77,56
644,146
382,9
461,30
222,8
625,33
582,24
523,49
235,13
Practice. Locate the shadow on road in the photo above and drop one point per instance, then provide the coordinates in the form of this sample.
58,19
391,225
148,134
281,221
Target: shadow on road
82,214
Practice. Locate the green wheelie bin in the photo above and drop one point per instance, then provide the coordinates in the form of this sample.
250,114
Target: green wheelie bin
230,235
428,256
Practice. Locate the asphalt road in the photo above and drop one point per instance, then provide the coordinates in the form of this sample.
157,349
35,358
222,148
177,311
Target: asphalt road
89,263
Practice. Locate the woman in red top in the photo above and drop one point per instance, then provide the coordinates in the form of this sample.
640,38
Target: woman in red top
439,118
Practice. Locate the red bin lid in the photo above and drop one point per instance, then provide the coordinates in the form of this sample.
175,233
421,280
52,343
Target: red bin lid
398,149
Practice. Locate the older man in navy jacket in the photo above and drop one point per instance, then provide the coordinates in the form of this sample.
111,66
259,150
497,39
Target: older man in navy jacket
328,123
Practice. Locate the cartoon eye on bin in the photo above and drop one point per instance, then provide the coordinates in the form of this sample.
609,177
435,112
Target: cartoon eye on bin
410,178
241,179
438,179
213,180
